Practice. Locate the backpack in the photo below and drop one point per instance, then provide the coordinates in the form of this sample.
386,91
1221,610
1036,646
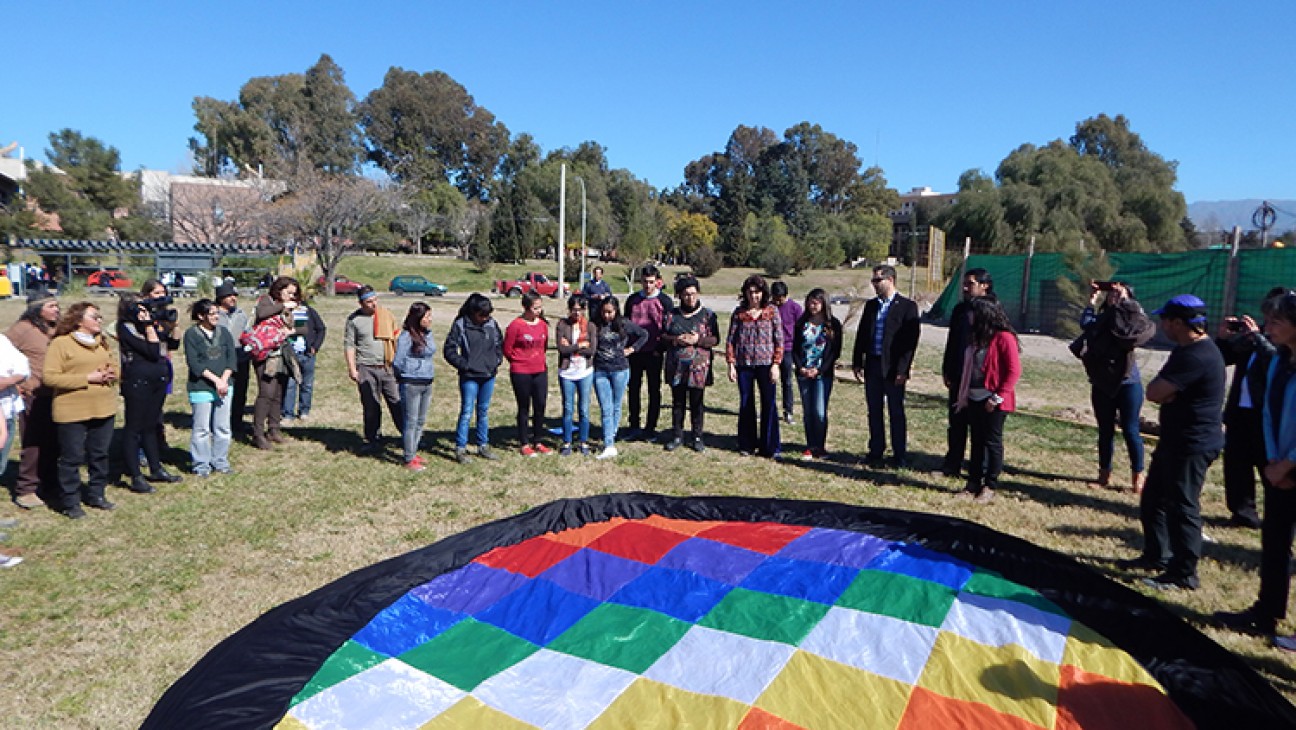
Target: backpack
264,339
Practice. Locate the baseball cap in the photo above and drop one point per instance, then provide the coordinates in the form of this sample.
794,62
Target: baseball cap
1188,307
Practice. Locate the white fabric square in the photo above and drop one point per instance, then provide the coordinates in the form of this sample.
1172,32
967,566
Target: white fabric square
391,695
999,622
553,690
883,645
713,662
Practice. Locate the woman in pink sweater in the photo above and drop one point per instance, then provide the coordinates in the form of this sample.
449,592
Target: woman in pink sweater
987,393
525,342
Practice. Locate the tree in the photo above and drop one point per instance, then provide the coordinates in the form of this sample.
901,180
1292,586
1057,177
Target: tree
689,233
425,128
328,213
281,125
84,187
225,211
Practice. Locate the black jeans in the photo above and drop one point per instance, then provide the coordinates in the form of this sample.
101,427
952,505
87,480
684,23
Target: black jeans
242,375
987,458
143,399
649,363
1276,550
956,434
531,391
684,398
1170,511
883,395
1244,455
84,442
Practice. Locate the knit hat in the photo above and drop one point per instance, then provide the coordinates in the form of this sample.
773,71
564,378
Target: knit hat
38,296
226,289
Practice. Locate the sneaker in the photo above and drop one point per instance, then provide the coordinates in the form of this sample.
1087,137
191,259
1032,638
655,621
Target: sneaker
566,450
787,418
543,450
414,465
28,501
673,444
285,418
585,450
225,470
9,561
101,504
485,452
1167,582
608,453
1142,562
1286,643
985,497
1246,621
698,446
303,417
202,473
528,451
807,455
461,456
74,513
418,460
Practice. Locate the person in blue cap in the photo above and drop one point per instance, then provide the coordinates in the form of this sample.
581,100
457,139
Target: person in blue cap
1190,390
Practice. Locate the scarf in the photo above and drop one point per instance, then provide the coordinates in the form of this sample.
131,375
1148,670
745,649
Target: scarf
385,329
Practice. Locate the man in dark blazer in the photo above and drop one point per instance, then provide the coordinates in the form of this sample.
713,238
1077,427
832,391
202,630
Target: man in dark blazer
884,352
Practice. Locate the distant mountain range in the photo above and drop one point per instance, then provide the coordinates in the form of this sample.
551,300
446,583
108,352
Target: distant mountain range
1215,215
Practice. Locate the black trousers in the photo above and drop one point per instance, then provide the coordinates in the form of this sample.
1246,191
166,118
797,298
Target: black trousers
84,442
531,391
684,398
1244,455
956,435
242,375
641,364
987,458
1276,550
143,400
38,460
1170,511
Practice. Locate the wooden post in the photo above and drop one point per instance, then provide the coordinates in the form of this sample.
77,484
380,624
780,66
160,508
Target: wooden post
1231,275
1025,286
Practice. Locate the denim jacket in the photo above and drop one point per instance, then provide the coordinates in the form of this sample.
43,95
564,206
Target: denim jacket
414,368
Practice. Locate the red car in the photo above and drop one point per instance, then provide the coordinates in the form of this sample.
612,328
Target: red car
341,285
109,279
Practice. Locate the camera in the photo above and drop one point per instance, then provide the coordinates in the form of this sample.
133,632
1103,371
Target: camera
159,308
1234,325
1105,285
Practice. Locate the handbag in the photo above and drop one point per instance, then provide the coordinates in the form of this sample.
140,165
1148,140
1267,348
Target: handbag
264,339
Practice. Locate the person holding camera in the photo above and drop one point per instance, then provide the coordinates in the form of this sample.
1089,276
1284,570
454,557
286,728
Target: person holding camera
145,375
1114,325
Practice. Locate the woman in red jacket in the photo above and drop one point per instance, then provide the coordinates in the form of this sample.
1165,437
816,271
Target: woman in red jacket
525,341
987,392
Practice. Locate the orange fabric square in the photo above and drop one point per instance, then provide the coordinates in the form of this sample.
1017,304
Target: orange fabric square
637,541
687,527
530,558
762,537
758,719
928,710
1093,701
585,534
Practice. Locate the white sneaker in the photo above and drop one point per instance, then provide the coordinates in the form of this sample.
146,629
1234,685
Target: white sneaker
9,561
607,453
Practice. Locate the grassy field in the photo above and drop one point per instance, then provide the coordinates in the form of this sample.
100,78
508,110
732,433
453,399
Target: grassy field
108,611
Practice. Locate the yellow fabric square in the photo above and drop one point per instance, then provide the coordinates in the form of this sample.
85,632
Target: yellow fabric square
470,714
814,692
290,723
649,705
1006,678
1094,653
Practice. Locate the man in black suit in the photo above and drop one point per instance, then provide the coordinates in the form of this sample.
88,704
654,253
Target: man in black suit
884,352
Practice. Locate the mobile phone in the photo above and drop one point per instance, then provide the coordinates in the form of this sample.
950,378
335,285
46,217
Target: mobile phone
1105,285
1234,325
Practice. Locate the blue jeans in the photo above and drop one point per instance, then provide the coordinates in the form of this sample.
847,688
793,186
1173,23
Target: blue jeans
12,423
474,396
209,442
815,393
1122,408
758,436
579,392
306,386
610,387
416,398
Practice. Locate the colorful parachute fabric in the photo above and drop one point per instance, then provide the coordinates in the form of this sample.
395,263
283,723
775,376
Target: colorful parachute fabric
660,622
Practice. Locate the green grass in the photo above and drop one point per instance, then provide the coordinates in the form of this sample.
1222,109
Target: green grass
107,612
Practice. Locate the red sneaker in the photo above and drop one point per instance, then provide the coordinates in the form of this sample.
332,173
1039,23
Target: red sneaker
543,449
418,460
528,451
415,465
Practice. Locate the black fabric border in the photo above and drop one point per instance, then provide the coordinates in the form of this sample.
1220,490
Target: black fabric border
247,680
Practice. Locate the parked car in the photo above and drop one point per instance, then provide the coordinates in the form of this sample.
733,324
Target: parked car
531,281
341,285
177,280
109,279
415,285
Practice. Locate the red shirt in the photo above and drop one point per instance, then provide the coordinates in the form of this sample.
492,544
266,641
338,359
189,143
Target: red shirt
524,346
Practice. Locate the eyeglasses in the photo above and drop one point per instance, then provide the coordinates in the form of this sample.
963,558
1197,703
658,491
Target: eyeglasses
755,291
92,315
877,279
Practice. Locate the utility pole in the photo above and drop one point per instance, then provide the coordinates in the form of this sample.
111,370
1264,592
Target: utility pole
562,224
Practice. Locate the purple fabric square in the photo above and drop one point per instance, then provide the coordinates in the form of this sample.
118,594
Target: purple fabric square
468,589
714,560
839,547
919,562
538,611
404,625
593,573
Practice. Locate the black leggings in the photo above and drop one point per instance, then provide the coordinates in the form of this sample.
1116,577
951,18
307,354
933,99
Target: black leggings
531,390
143,399
684,398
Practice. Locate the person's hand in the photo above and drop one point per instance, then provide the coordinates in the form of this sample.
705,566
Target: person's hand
990,406
947,381
1279,474
1095,294
222,388
810,372
145,317
859,374
901,380
564,342
628,351
1120,291
354,375
1250,324
290,304
733,373
774,373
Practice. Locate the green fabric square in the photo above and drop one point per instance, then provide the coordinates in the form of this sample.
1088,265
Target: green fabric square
996,586
349,660
765,616
469,653
621,636
899,596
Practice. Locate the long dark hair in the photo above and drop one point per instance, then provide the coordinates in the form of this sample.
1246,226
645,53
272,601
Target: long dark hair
476,303
820,296
71,319
32,314
280,284
617,324
414,326
989,319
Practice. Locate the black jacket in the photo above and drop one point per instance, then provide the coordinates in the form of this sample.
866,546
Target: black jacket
315,331
1237,351
1107,346
475,350
899,338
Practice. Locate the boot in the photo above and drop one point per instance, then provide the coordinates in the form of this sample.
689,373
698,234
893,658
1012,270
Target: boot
1137,480
1104,479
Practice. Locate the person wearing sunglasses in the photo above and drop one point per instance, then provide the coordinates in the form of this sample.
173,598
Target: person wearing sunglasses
884,352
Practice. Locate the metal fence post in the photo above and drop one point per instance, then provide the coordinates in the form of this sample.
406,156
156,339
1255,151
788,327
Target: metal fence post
1231,275
1024,309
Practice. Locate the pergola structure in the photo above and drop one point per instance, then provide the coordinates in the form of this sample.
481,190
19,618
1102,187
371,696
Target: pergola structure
75,256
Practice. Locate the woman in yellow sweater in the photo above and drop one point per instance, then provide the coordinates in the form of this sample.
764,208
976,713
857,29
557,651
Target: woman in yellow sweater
79,369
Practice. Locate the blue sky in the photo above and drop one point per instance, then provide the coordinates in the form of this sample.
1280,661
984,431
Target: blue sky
925,89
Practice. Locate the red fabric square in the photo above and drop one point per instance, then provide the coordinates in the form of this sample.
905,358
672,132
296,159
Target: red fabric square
1093,701
759,719
530,558
637,541
928,710
762,537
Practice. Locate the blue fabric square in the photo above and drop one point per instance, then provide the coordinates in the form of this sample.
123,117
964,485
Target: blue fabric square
469,589
682,594
593,573
840,547
919,562
809,581
538,611
715,560
404,625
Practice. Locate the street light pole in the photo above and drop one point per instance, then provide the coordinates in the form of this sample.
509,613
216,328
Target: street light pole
581,180
562,224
